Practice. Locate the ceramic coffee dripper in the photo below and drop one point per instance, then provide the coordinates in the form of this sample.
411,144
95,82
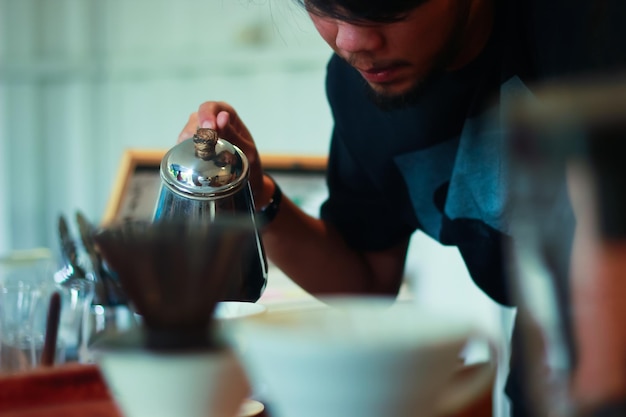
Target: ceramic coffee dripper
363,357
174,274
148,383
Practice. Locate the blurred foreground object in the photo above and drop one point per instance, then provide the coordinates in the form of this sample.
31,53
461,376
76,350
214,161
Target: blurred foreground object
363,356
568,186
175,272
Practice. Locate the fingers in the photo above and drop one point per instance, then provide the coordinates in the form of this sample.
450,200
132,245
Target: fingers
212,115
190,128
223,118
209,113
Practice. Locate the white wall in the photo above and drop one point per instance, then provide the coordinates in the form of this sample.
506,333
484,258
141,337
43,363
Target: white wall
82,80
4,179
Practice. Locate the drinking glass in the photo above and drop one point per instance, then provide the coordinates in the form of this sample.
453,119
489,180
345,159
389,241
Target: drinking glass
26,287
20,344
22,275
74,326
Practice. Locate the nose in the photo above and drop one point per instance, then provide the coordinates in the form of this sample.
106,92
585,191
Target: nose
357,38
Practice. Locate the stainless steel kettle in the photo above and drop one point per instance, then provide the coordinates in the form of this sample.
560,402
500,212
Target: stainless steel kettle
203,179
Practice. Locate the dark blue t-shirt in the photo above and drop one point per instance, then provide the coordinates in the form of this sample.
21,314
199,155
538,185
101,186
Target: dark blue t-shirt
439,164
436,166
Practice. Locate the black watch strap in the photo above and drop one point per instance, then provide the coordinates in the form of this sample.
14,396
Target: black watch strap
269,212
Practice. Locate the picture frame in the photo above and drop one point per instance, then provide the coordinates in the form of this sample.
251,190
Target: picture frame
137,183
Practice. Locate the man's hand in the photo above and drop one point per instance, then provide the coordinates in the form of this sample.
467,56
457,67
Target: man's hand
223,118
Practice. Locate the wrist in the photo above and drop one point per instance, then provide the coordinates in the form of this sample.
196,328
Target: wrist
267,213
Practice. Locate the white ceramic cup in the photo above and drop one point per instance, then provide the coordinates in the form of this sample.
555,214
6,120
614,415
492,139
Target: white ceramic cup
363,357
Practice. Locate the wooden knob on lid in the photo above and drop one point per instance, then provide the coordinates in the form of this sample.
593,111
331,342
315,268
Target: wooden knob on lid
204,141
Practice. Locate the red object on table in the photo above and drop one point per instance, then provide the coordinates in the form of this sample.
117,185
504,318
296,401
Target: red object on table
67,390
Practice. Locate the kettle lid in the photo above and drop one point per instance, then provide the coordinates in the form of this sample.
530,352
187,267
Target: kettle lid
205,166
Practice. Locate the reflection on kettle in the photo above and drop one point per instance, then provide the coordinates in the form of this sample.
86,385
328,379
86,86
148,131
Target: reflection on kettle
206,178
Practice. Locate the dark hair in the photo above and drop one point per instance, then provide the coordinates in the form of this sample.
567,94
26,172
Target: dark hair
377,11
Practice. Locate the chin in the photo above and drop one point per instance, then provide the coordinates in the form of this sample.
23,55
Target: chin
392,90
392,97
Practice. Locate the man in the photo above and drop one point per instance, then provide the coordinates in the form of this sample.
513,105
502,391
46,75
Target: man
416,88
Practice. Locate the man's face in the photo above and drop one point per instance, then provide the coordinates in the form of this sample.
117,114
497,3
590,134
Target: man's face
396,58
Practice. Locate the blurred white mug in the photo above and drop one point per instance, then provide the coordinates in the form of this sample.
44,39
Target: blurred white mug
364,356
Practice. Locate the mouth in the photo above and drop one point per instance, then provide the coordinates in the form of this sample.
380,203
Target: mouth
381,75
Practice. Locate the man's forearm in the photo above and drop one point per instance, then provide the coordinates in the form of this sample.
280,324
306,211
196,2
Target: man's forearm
315,256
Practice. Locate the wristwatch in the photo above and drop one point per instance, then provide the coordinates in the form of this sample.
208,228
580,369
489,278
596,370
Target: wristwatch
266,214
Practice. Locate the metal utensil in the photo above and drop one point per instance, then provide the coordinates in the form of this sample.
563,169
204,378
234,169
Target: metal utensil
108,289
71,269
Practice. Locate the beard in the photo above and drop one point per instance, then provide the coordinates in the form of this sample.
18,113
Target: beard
398,101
